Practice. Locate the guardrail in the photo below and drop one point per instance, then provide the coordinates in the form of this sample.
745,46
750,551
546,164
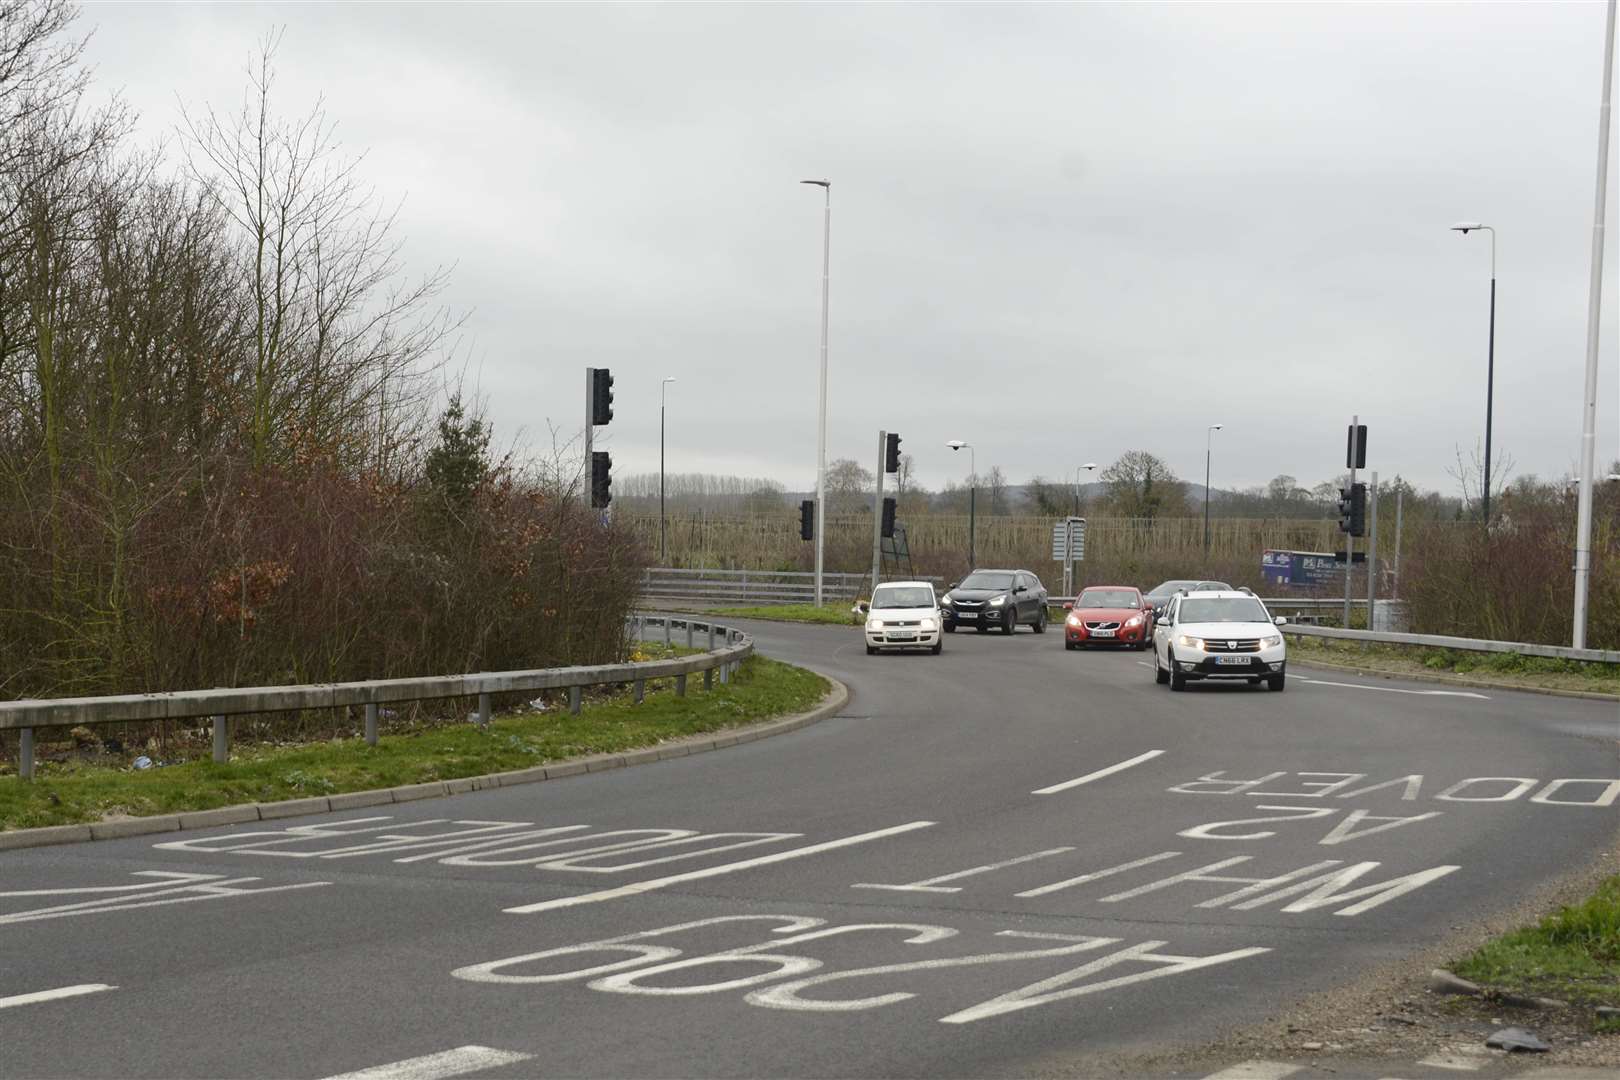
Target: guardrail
754,586
1440,641
26,715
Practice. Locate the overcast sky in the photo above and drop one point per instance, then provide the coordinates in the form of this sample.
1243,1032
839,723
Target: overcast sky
1059,232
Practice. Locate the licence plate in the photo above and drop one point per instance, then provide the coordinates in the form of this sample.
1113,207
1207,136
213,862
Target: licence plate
1243,660
967,614
1103,633
906,636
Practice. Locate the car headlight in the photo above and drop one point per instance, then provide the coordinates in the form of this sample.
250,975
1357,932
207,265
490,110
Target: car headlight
998,601
1187,641
1073,620
1271,640
874,624
1134,620
946,600
930,624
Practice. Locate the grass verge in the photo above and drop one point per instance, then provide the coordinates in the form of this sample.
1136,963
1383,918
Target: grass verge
1500,669
1572,954
69,793
834,614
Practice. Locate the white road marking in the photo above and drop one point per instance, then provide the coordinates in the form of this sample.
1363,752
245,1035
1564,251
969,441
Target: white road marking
639,887
1096,874
1256,1070
1098,775
457,1062
1394,689
52,995
932,884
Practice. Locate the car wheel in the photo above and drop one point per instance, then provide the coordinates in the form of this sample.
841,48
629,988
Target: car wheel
1276,682
1040,621
1178,681
1160,675
871,650
1009,622
950,628
939,647
1070,645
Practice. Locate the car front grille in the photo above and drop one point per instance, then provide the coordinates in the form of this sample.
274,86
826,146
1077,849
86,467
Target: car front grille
1231,645
1102,626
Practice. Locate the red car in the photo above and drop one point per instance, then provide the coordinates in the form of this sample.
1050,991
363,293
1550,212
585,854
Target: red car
1108,615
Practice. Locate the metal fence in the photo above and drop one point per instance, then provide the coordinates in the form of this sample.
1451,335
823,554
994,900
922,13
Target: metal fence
1440,641
726,647
754,587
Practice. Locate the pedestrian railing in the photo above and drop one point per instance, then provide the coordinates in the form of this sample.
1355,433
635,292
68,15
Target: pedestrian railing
725,648
755,587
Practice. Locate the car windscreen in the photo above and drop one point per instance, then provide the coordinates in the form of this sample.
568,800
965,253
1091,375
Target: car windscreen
987,581
1107,598
1218,609
1169,588
910,596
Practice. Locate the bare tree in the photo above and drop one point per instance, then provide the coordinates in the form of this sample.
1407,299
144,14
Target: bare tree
1141,485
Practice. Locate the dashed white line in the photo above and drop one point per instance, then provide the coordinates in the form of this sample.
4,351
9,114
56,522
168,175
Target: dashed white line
457,1062
1256,1070
638,887
1098,775
933,884
53,995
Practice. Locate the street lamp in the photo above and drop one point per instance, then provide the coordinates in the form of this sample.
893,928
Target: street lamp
663,547
821,431
973,498
1466,227
1209,437
1089,466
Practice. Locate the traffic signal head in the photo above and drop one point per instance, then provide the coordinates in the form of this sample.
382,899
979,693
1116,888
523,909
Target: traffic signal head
891,454
601,479
888,516
1358,510
601,396
807,519
1344,510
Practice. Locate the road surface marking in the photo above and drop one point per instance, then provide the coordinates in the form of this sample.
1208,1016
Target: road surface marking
1256,1070
639,887
932,884
1394,689
1097,874
1458,1058
1098,775
52,995
457,1062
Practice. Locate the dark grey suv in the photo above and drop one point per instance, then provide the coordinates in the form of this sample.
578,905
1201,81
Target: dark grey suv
1000,599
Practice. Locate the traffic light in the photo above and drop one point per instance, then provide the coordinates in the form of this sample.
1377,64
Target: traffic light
601,396
888,516
891,454
1355,446
1344,510
1358,510
601,479
807,519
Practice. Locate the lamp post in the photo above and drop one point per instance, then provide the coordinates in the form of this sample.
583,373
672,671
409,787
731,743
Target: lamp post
1466,227
973,498
1089,466
1594,320
663,547
821,430
1209,438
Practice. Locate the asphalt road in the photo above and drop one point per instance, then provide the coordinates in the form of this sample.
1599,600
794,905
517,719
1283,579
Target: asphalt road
946,880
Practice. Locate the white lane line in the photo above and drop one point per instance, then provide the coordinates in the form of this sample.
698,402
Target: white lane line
638,887
1098,775
1393,689
52,995
932,884
1256,1070
457,1062
1096,875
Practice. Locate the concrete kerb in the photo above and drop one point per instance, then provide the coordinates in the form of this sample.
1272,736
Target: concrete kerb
1452,680
832,704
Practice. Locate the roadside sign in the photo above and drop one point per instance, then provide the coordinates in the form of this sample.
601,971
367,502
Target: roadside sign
1069,540
1299,568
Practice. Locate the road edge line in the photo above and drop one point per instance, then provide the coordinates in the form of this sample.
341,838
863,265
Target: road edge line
832,703
1443,680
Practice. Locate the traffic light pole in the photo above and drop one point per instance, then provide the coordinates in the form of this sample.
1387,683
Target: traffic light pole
1349,537
877,510
590,420
1372,547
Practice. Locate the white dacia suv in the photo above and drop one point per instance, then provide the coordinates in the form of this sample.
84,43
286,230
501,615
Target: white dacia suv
1218,635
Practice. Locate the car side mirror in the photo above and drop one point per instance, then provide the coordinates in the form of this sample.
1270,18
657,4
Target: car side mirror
1018,589
1068,607
951,586
863,606
1281,620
